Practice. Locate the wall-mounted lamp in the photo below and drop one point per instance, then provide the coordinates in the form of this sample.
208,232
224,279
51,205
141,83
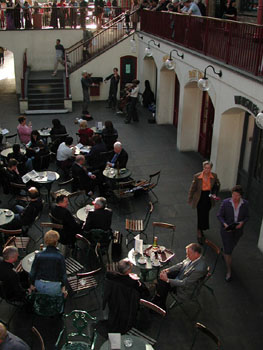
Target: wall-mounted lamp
133,44
259,120
203,83
148,51
169,63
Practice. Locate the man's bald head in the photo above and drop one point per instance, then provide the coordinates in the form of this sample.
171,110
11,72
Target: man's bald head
117,147
33,192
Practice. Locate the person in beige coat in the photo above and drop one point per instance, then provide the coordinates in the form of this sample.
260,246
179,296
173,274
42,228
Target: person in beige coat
202,195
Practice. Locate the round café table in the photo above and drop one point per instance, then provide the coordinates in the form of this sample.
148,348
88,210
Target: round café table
46,179
6,216
82,213
45,133
138,343
6,151
27,261
113,175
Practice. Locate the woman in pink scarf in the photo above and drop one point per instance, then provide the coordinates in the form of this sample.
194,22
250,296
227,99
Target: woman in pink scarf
23,130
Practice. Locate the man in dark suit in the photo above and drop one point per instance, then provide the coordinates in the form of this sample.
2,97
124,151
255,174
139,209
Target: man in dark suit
83,179
182,277
27,215
12,287
120,157
100,218
95,158
61,215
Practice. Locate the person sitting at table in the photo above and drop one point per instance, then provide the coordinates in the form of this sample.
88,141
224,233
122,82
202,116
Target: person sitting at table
83,179
27,215
38,161
85,133
48,271
12,286
95,159
13,175
120,157
62,215
109,135
122,293
57,129
9,341
24,163
100,217
65,153
182,277
23,130
32,146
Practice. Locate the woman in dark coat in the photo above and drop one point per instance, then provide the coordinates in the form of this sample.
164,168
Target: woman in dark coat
17,10
109,135
233,214
147,96
54,15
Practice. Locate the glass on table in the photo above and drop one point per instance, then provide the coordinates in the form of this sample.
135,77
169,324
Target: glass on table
128,342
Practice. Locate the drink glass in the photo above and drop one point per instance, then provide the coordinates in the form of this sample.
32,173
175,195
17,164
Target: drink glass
128,342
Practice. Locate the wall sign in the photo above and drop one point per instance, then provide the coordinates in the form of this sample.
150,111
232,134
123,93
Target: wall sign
195,75
245,102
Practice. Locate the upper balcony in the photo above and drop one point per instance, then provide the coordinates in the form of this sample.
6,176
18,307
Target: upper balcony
234,43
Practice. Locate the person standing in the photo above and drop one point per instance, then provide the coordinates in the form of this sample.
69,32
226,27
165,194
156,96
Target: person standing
202,195
133,98
86,83
54,15
83,12
233,214
114,82
60,53
135,17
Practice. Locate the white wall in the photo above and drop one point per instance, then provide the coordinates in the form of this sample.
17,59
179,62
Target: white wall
101,66
40,46
165,112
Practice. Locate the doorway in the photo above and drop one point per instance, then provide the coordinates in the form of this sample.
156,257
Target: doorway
176,101
7,74
128,71
206,126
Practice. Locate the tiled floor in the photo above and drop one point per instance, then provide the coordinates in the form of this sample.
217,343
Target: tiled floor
235,311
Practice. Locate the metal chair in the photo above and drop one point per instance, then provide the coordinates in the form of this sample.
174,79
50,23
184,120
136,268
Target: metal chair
8,137
123,190
138,226
155,311
20,242
72,196
38,335
84,283
193,298
47,305
150,184
72,266
216,250
164,225
200,328
83,326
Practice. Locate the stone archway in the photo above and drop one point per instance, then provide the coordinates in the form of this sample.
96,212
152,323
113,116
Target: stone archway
165,113
149,73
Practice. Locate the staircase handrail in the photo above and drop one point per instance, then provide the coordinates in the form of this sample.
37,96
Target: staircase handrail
114,22
67,75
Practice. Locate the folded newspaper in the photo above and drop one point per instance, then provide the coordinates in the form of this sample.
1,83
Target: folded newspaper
29,176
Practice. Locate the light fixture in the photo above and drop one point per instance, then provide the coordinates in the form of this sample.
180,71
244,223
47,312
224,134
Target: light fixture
259,120
148,51
203,83
133,44
169,63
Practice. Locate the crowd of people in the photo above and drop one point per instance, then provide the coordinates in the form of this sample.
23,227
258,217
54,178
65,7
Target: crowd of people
73,13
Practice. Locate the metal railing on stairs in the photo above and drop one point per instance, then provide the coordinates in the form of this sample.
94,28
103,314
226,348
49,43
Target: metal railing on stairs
114,32
23,78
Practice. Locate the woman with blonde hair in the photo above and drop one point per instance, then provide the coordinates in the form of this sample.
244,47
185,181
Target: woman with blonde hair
48,271
85,133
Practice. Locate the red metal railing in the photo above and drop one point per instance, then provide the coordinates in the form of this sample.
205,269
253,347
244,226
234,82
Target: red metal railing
67,76
23,74
234,43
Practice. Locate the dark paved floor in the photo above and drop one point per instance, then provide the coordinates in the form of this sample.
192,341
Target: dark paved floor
235,312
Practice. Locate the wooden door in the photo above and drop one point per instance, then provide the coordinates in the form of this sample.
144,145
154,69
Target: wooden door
128,71
206,126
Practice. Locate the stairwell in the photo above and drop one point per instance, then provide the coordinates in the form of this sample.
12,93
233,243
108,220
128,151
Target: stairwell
46,93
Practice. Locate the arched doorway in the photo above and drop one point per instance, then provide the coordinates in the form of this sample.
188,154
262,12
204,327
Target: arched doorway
7,74
150,73
128,71
206,126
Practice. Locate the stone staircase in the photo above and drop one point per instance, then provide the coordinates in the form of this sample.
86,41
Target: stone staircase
45,93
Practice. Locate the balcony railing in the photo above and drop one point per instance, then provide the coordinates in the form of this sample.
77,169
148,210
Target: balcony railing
234,43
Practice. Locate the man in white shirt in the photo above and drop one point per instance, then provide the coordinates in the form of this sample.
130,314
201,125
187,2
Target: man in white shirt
65,153
190,8
131,107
